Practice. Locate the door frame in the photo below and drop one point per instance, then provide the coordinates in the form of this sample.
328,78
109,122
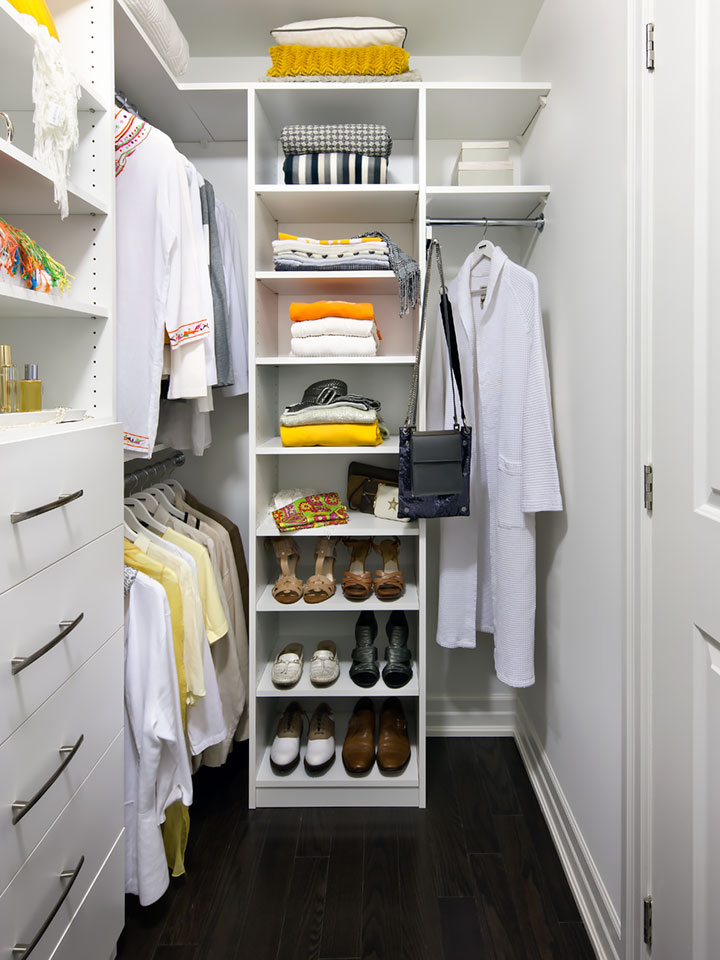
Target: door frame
637,672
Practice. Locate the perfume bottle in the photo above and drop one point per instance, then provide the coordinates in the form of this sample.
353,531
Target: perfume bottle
30,389
8,381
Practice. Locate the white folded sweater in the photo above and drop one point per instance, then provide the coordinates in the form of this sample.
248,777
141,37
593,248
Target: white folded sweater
333,346
334,326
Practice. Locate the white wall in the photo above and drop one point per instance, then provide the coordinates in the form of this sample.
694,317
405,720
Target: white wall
579,146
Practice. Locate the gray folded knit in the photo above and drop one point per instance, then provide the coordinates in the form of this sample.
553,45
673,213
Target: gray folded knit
371,139
405,269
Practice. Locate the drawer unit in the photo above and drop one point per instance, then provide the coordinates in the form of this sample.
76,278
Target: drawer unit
85,714
57,493
88,582
96,926
54,881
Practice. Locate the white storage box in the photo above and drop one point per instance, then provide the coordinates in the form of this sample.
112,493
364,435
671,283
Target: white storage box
484,150
489,174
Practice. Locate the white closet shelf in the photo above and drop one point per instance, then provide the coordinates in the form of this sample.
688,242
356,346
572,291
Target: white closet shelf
512,202
398,360
35,431
358,525
337,776
310,283
187,113
338,603
23,303
27,188
274,447
16,56
497,111
338,203
344,686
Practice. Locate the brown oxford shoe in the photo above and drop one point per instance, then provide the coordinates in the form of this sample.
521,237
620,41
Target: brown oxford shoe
358,750
393,741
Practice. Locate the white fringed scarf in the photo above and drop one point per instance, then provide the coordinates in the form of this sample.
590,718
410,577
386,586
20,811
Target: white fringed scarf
55,94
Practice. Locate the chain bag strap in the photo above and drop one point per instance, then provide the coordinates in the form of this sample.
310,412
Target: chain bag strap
434,475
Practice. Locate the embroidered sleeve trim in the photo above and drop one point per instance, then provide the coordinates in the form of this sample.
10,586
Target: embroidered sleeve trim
135,442
187,332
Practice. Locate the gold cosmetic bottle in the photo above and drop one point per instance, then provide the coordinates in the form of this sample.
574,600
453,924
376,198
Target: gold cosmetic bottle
8,381
31,389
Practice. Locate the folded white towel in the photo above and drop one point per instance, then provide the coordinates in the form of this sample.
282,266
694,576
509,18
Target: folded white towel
333,347
345,251
334,326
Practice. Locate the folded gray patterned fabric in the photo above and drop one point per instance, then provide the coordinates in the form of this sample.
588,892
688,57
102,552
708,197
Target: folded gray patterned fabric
334,168
370,139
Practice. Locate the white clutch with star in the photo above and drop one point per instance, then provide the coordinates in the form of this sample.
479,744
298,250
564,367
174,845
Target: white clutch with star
386,503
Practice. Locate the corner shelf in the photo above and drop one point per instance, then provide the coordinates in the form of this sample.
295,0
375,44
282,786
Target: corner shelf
502,111
19,302
27,188
502,202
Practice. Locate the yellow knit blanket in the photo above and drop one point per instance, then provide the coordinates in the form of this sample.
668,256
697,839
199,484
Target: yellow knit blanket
294,60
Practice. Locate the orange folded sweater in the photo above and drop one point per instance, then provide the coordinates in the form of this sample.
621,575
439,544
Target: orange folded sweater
331,308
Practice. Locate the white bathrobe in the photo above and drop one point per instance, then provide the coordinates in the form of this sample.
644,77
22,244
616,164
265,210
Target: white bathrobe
487,561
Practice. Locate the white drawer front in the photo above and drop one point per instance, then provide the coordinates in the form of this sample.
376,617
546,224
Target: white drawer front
88,827
89,581
88,706
96,926
34,473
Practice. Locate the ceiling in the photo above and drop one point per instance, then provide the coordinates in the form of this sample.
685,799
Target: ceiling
237,28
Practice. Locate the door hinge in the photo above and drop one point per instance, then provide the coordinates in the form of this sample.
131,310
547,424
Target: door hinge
649,479
649,46
647,921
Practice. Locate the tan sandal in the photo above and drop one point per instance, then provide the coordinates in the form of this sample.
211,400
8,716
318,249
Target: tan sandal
321,585
288,588
356,580
389,583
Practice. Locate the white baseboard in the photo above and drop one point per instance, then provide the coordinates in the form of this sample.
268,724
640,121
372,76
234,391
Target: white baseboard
599,916
492,715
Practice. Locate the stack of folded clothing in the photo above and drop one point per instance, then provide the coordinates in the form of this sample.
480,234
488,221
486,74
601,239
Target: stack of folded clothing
329,416
304,253
340,48
336,153
333,328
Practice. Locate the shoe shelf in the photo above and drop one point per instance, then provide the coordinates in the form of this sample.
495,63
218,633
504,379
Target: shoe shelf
274,447
358,525
408,601
344,686
337,775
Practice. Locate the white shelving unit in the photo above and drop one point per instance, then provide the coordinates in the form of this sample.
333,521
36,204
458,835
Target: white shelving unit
427,122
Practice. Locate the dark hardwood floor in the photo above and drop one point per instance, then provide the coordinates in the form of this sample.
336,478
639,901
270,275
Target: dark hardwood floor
473,877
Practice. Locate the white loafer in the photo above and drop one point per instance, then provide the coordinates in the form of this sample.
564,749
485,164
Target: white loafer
287,669
285,749
320,752
324,666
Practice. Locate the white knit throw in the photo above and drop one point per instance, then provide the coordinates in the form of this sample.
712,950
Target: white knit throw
55,95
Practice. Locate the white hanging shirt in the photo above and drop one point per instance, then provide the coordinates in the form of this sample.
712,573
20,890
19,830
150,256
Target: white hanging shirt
157,281
487,560
157,769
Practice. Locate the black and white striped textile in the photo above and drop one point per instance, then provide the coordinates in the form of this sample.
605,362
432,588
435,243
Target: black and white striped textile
335,168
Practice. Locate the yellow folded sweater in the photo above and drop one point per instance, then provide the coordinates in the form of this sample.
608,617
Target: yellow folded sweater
332,435
294,60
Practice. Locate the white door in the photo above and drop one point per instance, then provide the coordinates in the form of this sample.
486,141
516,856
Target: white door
685,258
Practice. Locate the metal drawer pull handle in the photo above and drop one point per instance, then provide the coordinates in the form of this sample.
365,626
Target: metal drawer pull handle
21,807
25,949
64,498
66,627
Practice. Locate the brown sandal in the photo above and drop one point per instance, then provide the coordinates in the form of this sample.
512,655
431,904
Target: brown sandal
389,583
288,588
321,585
357,581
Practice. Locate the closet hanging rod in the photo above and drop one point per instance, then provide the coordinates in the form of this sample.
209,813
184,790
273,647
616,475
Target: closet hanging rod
153,472
537,222
122,101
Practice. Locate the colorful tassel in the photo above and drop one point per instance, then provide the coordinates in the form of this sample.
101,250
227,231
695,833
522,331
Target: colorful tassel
21,256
